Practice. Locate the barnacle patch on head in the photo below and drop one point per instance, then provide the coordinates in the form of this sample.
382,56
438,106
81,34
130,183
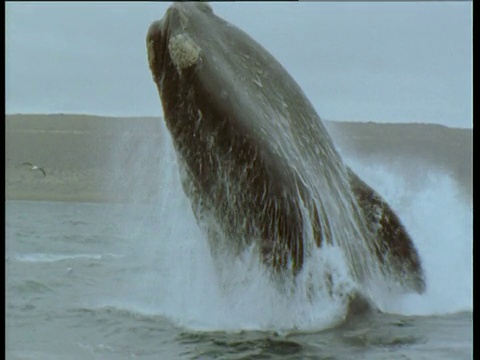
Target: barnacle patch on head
183,51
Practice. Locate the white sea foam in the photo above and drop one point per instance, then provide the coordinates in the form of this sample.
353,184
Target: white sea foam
180,280
440,223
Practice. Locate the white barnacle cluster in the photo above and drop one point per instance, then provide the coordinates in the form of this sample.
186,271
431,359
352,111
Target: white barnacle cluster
184,52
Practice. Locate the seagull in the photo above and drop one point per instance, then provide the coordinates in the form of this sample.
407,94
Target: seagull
35,167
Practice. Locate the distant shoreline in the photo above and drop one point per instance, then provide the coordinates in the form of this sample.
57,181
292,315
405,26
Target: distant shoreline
104,159
160,116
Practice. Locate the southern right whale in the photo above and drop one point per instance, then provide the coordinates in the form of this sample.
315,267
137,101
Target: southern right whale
257,164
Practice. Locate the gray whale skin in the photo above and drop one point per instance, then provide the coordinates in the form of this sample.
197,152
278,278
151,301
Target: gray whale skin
255,156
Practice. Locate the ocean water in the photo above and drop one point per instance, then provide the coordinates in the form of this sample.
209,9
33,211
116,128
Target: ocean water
127,281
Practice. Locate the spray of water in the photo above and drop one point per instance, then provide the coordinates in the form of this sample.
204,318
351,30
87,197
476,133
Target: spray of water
178,278
440,221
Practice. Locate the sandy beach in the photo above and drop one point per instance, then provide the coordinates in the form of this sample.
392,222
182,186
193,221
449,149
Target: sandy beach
107,159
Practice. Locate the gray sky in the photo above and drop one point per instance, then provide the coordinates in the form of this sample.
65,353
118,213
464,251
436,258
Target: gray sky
357,61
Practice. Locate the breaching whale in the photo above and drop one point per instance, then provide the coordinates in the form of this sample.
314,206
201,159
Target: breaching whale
257,164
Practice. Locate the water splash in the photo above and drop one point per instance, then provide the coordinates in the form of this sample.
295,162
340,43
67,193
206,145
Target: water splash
178,278
440,222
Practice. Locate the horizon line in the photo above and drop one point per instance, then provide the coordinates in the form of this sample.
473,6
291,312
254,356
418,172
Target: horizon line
377,122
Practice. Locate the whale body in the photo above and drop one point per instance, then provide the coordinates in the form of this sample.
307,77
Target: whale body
256,160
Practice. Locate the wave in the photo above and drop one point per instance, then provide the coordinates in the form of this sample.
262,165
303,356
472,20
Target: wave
51,258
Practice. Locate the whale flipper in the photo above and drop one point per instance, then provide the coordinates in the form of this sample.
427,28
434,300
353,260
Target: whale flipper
392,244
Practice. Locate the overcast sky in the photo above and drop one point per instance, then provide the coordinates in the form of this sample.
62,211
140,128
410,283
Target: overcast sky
356,61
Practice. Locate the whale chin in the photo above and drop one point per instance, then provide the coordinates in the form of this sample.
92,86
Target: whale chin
257,163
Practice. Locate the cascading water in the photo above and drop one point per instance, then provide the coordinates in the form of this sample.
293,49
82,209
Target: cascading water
440,220
178,277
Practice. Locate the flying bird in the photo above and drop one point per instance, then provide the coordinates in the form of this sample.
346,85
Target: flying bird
35,167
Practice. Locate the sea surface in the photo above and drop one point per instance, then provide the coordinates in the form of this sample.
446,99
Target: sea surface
137,281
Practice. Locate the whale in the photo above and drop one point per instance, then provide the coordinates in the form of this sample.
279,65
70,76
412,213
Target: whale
256,162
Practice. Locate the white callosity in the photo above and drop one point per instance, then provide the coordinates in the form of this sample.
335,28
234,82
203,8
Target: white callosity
184,52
